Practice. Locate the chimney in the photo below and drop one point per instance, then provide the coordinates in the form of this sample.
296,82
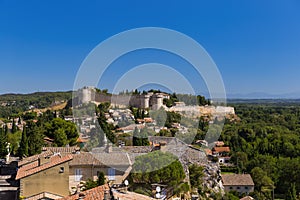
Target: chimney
43,160
109,147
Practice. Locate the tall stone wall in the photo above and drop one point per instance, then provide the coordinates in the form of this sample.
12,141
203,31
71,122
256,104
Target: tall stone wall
150,100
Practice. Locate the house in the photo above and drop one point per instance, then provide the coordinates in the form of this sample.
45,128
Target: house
44,177
100,192
116,164
82,167
148,120
242,183
68,118
219,143
221,151
208,152
224,160
179,104
131,128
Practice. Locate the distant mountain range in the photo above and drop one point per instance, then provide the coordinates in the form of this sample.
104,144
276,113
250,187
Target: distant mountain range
263,95
253,95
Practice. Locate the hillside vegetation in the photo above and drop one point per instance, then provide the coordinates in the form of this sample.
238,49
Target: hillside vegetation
14,104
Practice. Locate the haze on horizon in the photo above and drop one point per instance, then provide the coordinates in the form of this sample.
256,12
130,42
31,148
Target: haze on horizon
256,45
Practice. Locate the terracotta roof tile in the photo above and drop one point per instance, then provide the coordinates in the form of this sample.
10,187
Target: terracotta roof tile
62,150
84,158
33,158
54,160
92,194
30,165
208,151
221,149
237,179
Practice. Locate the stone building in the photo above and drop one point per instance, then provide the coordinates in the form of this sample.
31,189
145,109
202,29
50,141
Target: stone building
150,100
242,183
47,177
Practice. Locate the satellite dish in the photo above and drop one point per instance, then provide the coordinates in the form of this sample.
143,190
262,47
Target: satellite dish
126,182
157,195
158,189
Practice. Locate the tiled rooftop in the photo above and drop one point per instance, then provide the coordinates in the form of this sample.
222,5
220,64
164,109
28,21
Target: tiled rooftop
33,168
62,150
30,159
84,158
221,149
237,179
131,196
113,158
92,194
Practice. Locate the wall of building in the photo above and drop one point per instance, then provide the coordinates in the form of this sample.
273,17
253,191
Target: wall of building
49,180
153,101
240,189
91,172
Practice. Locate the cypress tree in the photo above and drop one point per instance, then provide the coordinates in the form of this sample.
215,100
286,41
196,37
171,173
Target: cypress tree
101,179
3,140
23,149
19,121
6,130
14,127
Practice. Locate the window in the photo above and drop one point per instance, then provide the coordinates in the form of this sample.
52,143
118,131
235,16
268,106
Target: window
78,174
61,170
111,174
238,188
246,187
230,188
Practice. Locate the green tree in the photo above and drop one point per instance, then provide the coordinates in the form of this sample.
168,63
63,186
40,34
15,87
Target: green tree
261,179
140,138
292,193
230,196
89,184
3,141
63,132
60,137
101,178
23,149
157,167
196,176
14,128
35,138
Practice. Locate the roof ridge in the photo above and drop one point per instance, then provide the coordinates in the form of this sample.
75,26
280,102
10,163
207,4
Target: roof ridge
24,173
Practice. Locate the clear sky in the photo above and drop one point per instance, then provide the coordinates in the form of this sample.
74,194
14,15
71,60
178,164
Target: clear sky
255,44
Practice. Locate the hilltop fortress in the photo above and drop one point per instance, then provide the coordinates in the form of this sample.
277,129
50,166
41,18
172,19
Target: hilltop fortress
150,100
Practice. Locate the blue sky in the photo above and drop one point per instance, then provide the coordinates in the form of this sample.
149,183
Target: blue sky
255,44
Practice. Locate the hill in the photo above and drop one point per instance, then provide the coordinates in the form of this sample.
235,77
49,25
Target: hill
12,104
